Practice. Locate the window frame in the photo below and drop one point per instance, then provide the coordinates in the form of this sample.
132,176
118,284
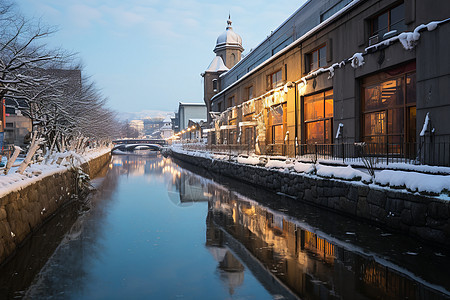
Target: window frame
270,84
389,25
249,96
280,124
230,101
309,58
323,119
388,136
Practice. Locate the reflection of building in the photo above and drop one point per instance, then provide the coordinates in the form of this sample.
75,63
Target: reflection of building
308,264
188,188
337,62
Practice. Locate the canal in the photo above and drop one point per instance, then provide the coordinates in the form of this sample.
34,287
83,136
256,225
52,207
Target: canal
156,229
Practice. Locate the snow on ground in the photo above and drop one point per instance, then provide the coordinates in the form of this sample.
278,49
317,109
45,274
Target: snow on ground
279,164
415,182
347,173
303,167
35,172
251,160
412,180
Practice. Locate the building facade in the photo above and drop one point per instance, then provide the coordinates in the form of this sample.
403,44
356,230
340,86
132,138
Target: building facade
166,129
190,111
342,72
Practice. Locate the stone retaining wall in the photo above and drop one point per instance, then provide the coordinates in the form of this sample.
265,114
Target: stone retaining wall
24,210
424,217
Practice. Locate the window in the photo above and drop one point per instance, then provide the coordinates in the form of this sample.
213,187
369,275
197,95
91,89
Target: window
10,110
233,59
316,59
9,124
318,116
274,80
337,7
249,92
219,107
390,20
277,122
230,102
282,45
389,108
214,83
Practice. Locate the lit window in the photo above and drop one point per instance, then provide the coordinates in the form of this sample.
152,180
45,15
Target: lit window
386,102
318,114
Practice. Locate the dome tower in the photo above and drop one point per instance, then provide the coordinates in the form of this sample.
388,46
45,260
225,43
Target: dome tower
229,46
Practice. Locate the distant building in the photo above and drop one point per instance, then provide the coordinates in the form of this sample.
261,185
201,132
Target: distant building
138,125
151,125
175,123
188,111
166,130
17,126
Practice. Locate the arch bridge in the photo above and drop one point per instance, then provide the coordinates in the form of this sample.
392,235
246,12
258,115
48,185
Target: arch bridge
160,142
140,146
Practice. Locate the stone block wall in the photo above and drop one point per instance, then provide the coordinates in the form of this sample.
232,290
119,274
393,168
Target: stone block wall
24,210
423,217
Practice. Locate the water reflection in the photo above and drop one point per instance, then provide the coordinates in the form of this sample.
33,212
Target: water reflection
145,239
316,265
146,236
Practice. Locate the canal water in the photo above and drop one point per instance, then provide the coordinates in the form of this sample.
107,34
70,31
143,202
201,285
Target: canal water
156,229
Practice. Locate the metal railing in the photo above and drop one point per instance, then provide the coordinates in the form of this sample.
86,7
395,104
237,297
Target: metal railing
425,152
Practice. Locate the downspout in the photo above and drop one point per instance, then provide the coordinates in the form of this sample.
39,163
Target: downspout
296,119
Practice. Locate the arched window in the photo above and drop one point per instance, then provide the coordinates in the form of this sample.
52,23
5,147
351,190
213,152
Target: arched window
214,84
233,58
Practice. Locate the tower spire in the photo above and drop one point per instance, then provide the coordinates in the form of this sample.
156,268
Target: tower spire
229,20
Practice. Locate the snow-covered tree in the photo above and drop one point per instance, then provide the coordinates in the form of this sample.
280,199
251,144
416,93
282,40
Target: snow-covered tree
64,107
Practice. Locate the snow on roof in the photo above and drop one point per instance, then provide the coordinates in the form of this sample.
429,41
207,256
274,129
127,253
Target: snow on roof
217,65
168,119
192,104
228,38
197,120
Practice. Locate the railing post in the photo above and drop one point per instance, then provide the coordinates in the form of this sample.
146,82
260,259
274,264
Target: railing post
343,154
387,150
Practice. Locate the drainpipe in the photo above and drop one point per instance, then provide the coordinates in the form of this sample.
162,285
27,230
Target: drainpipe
296,119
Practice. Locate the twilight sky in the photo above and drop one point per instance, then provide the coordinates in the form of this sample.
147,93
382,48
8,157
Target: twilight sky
148,54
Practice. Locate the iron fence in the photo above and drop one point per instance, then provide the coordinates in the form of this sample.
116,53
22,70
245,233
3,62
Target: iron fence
429,152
